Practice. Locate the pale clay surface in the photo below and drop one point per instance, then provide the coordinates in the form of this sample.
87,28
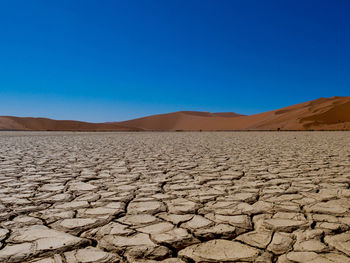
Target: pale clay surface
175,197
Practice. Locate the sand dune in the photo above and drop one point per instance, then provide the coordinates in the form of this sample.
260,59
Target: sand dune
44,124
184,120
321,114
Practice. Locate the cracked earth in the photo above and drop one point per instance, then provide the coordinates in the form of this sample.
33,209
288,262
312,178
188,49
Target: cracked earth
175,197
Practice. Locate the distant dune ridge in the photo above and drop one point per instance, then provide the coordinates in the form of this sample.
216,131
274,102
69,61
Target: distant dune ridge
44,124
321,114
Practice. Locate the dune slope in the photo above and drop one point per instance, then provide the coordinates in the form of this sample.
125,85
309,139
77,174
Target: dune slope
44,124
185,120
321,114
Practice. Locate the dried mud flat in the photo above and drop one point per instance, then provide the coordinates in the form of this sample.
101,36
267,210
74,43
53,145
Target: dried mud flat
175,197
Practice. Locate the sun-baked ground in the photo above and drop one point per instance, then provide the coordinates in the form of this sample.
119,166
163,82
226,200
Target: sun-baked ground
175,197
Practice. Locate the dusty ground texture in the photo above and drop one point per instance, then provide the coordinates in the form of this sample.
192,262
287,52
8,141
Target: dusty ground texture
175,197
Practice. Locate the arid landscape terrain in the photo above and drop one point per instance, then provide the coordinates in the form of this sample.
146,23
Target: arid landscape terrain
183,131
175,197
321,114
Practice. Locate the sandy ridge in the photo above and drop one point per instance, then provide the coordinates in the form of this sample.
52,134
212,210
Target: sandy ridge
321,114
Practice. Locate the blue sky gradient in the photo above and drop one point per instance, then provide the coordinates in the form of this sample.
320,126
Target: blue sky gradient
116,60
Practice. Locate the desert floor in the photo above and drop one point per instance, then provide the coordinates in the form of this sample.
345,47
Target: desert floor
175,197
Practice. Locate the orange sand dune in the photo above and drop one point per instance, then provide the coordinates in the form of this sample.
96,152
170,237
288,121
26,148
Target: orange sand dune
44,124
321,114
184,120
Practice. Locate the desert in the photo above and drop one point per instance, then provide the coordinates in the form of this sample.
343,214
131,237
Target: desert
321,114
174,197
180,131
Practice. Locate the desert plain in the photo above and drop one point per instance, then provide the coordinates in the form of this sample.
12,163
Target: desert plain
175,197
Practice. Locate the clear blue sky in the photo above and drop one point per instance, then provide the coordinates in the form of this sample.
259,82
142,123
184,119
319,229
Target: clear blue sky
116,60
